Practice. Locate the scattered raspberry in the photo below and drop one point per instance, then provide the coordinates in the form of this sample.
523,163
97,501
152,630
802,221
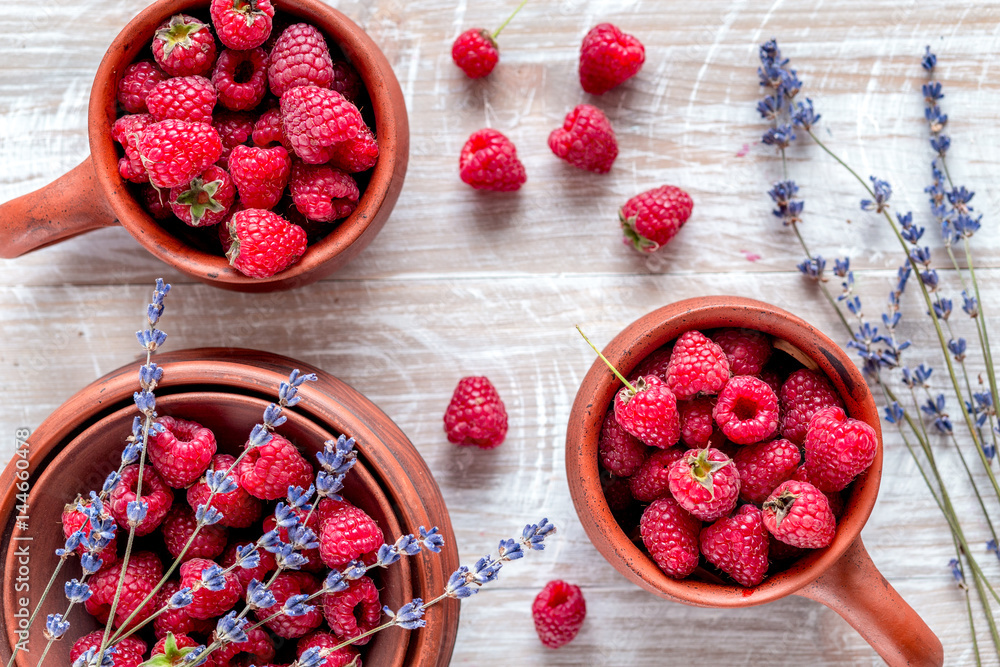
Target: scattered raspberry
475,52
558,612
285,586
608,57
738,545
190,98
300,57
838,449
489,162
697,366
128,651
763,466
342,657
234,128
180,524
747,410
654,364
208,603
248,574
798,514
239,509
263,243
136,82
320,122
175,620
181,451
652,480
649,413
353,611
142,574
206,200
184,46
476,415
650,219
346,80
747,350
74,520
803,393
155,492
240,78
621,453
705,483
260,174
348,534
586,140
697,423
322,193
268,470
670,534
175,151
242,24
268,130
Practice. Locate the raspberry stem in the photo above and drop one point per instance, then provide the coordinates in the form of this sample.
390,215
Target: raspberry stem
605,360
503,25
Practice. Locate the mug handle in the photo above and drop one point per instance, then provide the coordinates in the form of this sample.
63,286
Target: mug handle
72,204
854,588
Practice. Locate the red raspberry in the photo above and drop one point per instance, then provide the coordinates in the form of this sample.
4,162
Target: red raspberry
155,492
267,471
130,172
650,219
286,585
179,525
239,509
838,449
261,174
248,574
300,57
798,514
128,651
621,453
649,413
489,162
268,130
475,52
772,379
259,647
242,24
738,546
315,561
747,350
347,535
586,140
156,202
323,193
142,574
835,499
747,410
317,121
705,482
234,128
208,603
357,154
608,57
654,364
136,82
176,621
263,243
616,492
190,98
327,507
697,424
181,641
476,415
346,80
652,480
558,612
353,611
241,78
206,200
127,131
175,151
342,657
697,366
74,520
670,534
764,466
803,393
183,46
181,451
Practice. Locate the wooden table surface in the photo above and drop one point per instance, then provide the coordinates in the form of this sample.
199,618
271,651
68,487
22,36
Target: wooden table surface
461,282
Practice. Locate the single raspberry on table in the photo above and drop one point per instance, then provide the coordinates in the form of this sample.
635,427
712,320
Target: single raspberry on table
286,585
650,219
476,415
747,410
621,452
475,52
260,174
586,140
263,243
342,657
763,466
141,576
705,483
558,612
346,80
128,651
240,77
206,200
348,534
489,162
239,509
74,520
323,126
697,366
190,98
353,611
802,394
797,513
268,130
322,193
738,545
653,364
652,480
234,128
838,449
242,24
181,451
299,57
648,411
608,57
697,423
747,350
175,151
157,495
176,621
268,470
183,46
670,534
248,574
209,603
178,527
136,82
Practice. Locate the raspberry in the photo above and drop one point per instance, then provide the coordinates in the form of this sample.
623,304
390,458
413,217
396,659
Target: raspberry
697,424
650,219
268,130
260,174
747,410
258,646
136,82
323,193
315,561
127,131
128,651
175,151
558,612
616,492
286,585
183,46
234,128
208,603
654,364
181,451
142,574
670,534
155,492
353,611
764,466
621,453
838,449
299,57
342,657
190,98
319,123
771,379
608,57
489,162
248,574
74,520
797,513
705,483
267,471
346,535
836,501
803,393
156,202
475,52
346,80
180,641
738,545
176,621
132,173
652,480
747,350
586,140
697,366
649,413
357,154
179,525
263,243
242,24
206,200
241,78
239,509
476,415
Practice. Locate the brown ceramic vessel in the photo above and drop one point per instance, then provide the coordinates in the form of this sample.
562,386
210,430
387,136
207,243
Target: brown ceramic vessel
94,195
841,576
80,442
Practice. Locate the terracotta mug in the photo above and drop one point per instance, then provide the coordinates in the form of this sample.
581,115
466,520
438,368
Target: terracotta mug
93,195
841,576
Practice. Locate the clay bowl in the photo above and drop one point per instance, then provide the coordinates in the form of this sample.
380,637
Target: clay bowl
93,194
227,391
841,576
